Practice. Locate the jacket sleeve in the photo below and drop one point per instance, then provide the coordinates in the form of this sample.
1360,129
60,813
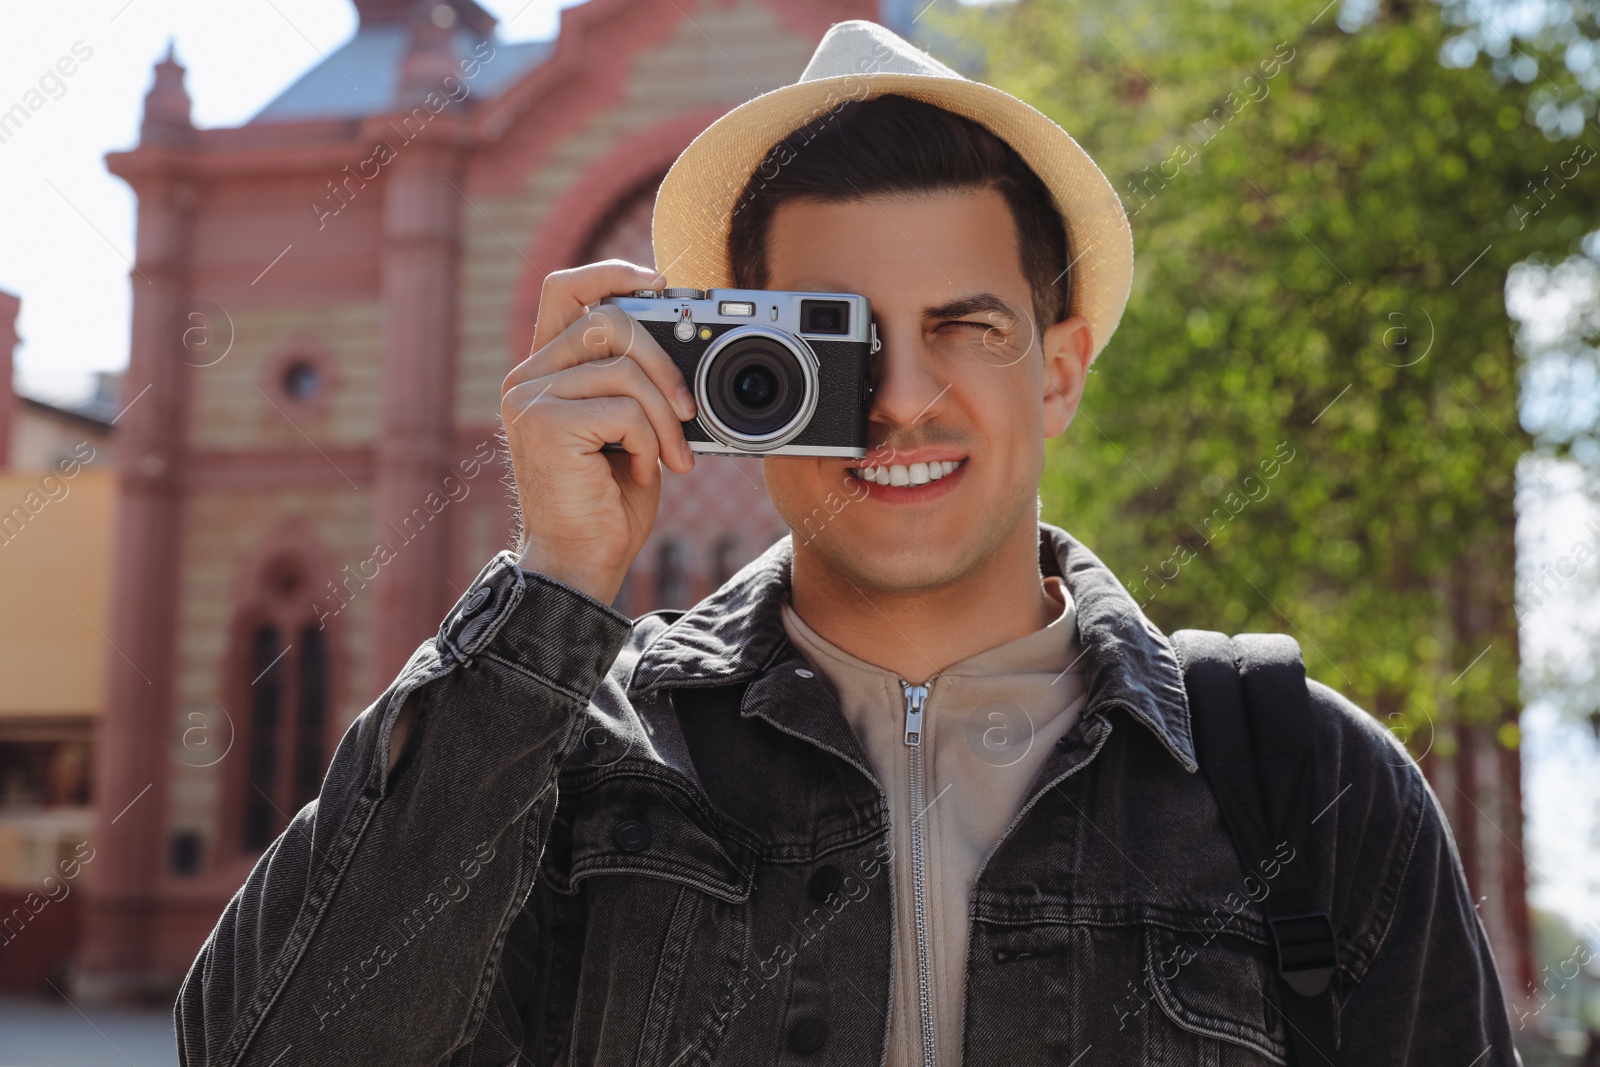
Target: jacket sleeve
1420,981
371,930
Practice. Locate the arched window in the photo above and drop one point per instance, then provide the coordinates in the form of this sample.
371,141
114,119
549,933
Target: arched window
623,232
311,709
266,701
672,575
725,559
285,688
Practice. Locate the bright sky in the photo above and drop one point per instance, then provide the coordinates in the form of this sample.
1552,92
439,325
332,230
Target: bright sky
1561,789
67,228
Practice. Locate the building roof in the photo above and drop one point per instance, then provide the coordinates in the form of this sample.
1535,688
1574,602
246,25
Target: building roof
364,76
97,411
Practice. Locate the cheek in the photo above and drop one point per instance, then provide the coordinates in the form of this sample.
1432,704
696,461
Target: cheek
1007,404
791,483
1007,414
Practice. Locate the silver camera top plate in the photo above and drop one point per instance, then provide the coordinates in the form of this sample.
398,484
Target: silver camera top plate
785,310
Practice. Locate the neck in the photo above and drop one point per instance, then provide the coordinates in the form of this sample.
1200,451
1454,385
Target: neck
918,632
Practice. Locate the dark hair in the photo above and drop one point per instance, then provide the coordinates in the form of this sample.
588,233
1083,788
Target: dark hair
891,145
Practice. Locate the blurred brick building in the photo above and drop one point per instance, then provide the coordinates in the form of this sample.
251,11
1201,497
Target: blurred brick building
57,490
327,300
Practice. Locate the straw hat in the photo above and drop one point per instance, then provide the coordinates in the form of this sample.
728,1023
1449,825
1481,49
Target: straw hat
858,60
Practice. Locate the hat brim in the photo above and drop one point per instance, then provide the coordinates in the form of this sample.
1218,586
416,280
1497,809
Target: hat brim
695,204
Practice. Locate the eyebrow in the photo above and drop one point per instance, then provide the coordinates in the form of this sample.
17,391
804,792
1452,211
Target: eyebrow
967,305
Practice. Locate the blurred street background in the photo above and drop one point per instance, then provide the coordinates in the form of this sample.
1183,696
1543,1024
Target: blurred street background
264,265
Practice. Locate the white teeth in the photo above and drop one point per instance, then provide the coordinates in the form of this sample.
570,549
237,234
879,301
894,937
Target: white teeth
903,475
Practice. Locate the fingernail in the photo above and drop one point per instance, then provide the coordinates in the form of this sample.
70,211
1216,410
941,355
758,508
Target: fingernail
685,403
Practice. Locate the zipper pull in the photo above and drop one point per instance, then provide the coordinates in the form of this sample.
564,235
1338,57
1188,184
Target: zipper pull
916,696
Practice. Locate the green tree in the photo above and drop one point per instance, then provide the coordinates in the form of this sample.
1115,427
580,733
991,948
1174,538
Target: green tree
1308,419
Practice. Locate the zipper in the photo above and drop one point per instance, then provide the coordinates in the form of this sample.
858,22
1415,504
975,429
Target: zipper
916,700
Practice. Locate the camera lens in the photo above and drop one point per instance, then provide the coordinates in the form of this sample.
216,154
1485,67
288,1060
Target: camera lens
759,389
756,387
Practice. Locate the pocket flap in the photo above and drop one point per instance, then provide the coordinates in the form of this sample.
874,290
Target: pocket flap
636,825
1217,984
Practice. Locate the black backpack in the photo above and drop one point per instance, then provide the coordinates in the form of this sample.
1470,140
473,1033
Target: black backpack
1251,716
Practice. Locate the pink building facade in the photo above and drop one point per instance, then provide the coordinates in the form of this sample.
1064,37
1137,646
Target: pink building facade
326,301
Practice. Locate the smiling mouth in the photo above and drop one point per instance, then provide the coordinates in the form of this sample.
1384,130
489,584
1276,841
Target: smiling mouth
907,474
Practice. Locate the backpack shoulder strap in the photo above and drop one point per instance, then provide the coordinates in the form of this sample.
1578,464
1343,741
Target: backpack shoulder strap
1251,716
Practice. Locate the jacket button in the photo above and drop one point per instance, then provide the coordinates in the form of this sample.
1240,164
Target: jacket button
473,621
808,1034
631,835
824,882
476,601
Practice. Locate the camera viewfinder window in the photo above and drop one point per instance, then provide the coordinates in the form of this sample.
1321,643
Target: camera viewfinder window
824,316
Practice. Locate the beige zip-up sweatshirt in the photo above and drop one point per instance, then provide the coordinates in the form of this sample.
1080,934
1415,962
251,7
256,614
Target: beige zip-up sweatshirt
988,723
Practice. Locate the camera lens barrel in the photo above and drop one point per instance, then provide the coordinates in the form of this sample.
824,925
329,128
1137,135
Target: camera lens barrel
756,388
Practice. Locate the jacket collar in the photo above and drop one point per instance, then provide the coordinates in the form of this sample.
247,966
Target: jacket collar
736,633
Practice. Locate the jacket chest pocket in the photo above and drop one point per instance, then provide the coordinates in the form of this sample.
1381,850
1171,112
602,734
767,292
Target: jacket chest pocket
666,922
1153,992
1218,992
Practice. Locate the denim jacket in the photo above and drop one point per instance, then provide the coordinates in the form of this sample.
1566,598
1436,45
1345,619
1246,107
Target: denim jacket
659,843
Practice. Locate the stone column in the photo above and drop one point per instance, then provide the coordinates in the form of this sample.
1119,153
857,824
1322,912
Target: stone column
421,236
132,756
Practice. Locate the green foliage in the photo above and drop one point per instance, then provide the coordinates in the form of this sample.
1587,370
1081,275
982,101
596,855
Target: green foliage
1307,421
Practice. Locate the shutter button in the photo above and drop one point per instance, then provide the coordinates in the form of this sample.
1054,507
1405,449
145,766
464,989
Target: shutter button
808,1034
631,835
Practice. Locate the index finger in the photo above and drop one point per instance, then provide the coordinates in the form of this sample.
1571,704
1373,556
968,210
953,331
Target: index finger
567,294
602,336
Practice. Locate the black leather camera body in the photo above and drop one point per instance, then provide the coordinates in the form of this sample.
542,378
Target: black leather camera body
773,373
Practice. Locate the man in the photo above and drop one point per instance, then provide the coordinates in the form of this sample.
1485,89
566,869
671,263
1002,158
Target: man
919,785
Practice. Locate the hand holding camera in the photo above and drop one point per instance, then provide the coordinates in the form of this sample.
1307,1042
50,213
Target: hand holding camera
593,377
616,382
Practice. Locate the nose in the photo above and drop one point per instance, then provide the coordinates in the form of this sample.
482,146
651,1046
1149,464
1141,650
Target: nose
906,391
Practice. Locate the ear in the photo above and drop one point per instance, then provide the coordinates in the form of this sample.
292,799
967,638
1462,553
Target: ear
1068,348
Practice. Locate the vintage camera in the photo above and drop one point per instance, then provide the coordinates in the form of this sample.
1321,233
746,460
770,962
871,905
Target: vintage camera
773,373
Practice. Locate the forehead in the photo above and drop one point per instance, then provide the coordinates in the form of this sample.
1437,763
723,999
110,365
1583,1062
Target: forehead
893,249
